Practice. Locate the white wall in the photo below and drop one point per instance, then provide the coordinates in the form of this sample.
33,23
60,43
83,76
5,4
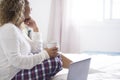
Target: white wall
104,37
41,12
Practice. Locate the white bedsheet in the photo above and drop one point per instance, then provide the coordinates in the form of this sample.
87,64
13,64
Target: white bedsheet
109,67
102,67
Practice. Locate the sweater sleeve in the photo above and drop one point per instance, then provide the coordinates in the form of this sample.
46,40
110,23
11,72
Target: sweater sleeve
36,42
11,46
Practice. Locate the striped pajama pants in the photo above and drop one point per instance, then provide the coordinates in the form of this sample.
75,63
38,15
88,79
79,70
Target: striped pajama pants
43,71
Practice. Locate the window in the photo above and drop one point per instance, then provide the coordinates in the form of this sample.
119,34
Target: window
115,9
112,9
95,10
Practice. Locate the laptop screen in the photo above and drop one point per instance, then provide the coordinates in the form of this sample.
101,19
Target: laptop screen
79,70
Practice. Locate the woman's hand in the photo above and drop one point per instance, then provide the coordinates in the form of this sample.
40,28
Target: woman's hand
52,52
32,24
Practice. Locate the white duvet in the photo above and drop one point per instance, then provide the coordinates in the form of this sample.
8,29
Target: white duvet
102,67
108,67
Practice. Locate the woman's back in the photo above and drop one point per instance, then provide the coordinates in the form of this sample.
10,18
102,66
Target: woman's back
4,62
9,35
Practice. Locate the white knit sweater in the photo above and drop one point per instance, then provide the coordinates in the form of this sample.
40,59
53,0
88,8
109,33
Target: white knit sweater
16,52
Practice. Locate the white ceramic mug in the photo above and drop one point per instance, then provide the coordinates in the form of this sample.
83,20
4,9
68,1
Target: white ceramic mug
52,44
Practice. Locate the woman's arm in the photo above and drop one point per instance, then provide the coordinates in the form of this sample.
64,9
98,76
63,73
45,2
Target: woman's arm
36,38
11,45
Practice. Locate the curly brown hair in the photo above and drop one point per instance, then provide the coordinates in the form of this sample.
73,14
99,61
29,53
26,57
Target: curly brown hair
11,11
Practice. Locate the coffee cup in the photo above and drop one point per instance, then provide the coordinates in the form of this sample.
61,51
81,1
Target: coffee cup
52,44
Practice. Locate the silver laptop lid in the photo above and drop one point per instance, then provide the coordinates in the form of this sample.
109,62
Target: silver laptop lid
79,70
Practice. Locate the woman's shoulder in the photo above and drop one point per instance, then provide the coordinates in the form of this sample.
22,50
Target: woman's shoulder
9,29
9,26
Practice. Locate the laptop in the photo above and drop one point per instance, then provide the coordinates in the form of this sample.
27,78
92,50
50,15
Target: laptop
79,70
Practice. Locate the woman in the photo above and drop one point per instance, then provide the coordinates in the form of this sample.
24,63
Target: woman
18,60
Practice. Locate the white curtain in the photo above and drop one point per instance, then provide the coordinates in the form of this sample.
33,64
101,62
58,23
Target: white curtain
55,21
61,28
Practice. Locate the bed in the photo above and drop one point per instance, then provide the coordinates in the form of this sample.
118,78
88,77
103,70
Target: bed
102,67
